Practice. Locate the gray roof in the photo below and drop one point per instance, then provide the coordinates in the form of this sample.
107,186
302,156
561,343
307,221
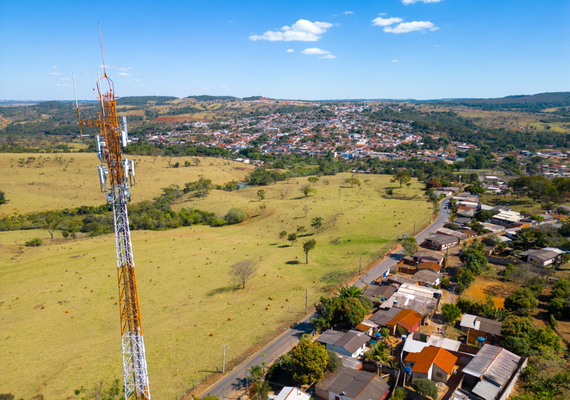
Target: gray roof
421,305
429,254
441,239
330,337
379,291
494,366
381,317
352,341
354,384
399,279
481,324
426,275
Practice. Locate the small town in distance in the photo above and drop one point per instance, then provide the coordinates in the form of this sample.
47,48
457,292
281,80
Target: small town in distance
300,201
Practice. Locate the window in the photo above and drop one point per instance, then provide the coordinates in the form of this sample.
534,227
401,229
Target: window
439,374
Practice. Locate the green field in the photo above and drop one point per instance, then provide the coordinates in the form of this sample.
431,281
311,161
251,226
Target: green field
185,291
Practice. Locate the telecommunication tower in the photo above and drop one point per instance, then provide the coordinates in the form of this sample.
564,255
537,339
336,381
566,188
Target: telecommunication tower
117,176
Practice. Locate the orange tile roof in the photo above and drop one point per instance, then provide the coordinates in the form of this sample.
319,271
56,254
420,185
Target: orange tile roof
432,355
407,319
430,265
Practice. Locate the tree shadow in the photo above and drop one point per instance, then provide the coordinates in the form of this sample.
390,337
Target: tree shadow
306,234
284,246
224,289
273,244
294,262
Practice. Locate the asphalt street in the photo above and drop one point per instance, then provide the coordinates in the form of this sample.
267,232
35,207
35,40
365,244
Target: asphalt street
233,383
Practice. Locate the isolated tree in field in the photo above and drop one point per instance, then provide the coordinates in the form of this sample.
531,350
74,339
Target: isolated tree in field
451,312
235,216
196,161
282,235
410,246
402,177
50,221
306,190
352,181
306,210
301,229
2,197
261,194
308,246
292,238
313,180
309,361
243,271
317,223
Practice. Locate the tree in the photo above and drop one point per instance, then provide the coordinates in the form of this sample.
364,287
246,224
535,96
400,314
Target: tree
317,223
308,246
410,245
350,291
292,238
309,361
305,210
334,361
352,181
306,190
301,229
399,394
401,177
522,302
433,183
344,312
451,313
235,216
3,199
261,194
102,391
313,180
464,278
379,354
474,260
243,271
425,387
282,235
50,221
526,237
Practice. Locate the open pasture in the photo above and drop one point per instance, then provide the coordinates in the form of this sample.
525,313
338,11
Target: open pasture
58,311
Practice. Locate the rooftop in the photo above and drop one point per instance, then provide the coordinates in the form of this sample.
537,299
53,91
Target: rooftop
407,319
432,355
355,384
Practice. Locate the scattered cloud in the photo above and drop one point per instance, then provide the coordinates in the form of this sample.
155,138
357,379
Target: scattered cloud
124,69
63,84
395,60
54,67
406,2
55,73
290,51
138,80
386,21
437,45
302,31
227,88
349,12
317,51
104,66
63,79
406,27
124,74
381,14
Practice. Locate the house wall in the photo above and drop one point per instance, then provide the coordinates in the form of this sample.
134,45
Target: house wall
420,375
439,375
345,352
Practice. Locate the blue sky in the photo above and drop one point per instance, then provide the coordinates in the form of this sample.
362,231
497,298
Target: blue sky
329,49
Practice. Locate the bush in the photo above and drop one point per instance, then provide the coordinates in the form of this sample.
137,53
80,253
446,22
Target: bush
218,222
451,312
334,361
235,216
366,303
34,242
6,396
425,387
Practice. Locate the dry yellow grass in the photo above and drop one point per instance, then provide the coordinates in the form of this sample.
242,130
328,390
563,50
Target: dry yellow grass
184,287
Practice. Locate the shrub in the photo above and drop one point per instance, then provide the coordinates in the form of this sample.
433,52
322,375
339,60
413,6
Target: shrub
34,242
218,222
425,387
366,303
334,361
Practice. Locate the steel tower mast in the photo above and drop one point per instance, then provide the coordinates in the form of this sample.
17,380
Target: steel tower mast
116,176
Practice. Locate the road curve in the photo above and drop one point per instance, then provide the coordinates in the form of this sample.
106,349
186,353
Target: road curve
233,384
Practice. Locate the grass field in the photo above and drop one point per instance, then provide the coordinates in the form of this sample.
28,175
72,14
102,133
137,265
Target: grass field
185,291
56,181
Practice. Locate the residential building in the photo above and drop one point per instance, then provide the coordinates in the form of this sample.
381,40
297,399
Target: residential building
428,255
542,257
405,322
292,393
433,363
441,242
351,343
350,384
477,327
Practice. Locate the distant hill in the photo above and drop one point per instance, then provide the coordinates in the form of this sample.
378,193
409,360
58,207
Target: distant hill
210,98
144,100
531,103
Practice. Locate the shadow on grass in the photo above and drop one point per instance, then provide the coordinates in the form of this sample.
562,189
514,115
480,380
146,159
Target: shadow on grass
224,289
273,244
294,262
306,234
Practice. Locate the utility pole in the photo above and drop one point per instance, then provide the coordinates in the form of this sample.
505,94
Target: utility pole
224,361
222,393
306,301
339,193
360,267
414,234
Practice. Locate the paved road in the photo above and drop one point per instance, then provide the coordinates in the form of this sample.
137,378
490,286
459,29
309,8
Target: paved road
233,384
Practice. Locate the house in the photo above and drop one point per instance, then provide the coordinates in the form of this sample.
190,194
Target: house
405,322
441,242
379,292
428,255
367,327
350,384
382,317
542,257
423,300
477,327
430,266
432,363
450,232
506,218
487,374
292,393
351,343
427,277
494,228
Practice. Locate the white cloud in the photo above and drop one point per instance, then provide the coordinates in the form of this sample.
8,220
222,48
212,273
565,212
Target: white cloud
138,80
124,69
55,73
386,21
290,51
317,51
302,31
63,84
349,12
54,67
104,66
63,79
124,74
406,27
395,60
423,1
381,14
437,45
